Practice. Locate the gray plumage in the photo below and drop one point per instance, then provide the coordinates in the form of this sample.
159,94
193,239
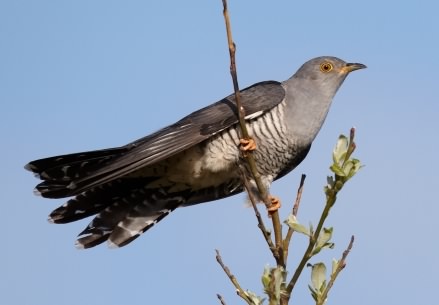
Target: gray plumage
195,160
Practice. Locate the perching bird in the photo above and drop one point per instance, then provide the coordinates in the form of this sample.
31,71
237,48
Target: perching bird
195,160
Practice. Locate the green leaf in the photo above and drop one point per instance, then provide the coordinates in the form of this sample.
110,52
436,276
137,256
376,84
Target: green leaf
272,279
318,278
348,166
355,168
334,265
256,300
292,222
337,170
313,293
278,280
323,240
324,236
340,149
266,278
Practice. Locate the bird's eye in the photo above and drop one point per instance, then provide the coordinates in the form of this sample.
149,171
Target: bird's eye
326,67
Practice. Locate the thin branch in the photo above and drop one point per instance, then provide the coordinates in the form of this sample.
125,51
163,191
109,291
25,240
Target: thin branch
221,299
249,156
232,51
277,227
261,224
340,267
233,279
299,195
287,240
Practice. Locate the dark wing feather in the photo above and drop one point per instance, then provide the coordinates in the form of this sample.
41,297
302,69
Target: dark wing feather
53,169
189,131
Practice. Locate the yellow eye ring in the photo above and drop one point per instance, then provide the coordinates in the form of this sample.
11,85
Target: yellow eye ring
326,67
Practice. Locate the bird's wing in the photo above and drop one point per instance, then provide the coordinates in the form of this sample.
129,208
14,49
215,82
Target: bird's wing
189,131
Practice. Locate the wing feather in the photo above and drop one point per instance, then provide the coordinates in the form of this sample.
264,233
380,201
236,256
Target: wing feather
189,131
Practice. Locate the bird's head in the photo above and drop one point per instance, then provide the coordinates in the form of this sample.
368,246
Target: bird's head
309,94
326,73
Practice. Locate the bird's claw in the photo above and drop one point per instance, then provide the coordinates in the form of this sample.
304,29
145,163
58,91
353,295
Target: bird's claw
275,205
246,145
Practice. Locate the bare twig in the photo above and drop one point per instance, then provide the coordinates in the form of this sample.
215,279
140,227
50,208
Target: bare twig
221,299
340,267
261,224
232,51
287,240
233,279
249,156
299,195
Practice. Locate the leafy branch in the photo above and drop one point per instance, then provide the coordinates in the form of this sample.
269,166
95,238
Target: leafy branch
319,288
344,168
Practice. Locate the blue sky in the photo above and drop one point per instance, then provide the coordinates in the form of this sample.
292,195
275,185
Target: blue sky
84,75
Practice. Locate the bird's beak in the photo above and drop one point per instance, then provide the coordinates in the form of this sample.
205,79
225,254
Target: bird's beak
349,67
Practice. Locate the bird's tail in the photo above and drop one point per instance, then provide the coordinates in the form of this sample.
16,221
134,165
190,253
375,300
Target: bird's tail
58,172
126,217
124,208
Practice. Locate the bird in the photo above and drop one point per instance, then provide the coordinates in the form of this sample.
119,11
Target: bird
195,160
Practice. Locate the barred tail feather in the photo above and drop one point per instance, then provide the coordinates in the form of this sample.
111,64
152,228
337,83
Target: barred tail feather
95,200
120,219
101,227
140,219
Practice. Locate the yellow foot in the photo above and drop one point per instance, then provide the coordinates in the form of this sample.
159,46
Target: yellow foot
247,145
275,205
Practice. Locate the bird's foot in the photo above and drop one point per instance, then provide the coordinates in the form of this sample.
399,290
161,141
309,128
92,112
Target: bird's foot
246,145
275,205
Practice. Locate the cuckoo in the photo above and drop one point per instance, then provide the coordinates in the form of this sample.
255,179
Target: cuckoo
132,187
